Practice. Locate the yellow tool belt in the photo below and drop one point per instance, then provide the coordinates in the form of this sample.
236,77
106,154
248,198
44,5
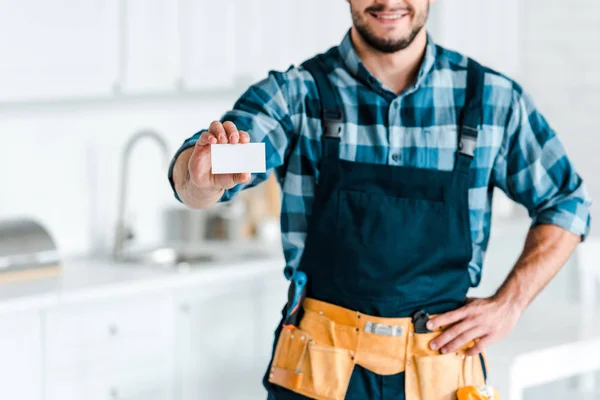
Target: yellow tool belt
317,358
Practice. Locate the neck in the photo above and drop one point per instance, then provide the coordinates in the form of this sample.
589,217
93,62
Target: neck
395,70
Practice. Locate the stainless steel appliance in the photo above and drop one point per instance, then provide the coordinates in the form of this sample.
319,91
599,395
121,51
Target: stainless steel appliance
25,245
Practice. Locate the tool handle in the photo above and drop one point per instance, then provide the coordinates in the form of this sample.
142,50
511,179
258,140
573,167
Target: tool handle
296,294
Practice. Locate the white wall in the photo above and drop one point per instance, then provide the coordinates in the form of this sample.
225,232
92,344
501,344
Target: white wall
60,164
560,57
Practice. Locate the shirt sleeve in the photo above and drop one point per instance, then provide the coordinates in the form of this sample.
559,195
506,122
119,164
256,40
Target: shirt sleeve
533,169
264,112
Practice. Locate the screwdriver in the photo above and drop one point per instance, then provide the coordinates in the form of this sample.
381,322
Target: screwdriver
296,295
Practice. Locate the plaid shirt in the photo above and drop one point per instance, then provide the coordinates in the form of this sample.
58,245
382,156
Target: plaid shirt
517,150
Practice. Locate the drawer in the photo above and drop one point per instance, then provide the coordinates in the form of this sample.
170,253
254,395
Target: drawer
108,332
150,381
107,355
21,360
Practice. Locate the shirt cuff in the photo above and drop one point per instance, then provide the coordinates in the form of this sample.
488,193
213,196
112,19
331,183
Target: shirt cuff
577,224
191,142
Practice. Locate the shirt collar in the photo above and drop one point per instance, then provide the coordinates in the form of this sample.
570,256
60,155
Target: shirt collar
356,67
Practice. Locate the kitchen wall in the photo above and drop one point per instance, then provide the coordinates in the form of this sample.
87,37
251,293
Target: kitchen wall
61,164
560,58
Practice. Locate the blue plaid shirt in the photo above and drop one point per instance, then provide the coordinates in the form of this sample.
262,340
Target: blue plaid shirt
517,150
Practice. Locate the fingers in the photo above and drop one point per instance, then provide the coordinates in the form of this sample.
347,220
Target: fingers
233,136
461,340
244,137
223,133
217,129
450,335
207,138
480,346
448,318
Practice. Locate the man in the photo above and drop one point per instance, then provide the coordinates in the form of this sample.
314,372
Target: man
387,149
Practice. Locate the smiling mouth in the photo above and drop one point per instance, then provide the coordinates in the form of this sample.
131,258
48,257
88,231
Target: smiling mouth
389,16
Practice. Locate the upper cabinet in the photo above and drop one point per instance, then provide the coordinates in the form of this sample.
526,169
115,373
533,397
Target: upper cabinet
58,49
150,46
208,30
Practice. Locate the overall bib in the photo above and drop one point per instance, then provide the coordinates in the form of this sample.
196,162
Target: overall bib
383,242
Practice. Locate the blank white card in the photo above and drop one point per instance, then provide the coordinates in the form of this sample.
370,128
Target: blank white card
238,158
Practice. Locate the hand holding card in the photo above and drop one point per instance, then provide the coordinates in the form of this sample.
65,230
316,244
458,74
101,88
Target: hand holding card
227,136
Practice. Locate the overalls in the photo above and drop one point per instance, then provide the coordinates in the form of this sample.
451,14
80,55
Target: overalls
383,242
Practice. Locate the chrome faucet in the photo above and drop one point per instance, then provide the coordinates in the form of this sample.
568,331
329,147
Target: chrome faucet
123,232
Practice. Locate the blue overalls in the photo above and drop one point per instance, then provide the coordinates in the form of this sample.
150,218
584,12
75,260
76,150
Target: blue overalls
387,240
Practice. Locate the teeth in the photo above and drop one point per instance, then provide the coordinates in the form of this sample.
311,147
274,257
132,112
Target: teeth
390,17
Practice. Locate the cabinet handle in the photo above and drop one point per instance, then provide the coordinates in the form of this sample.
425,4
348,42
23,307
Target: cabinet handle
113,330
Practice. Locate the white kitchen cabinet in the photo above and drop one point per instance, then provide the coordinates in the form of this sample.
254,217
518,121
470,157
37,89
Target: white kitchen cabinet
249,42
218,342
279,26
208,44
121,349
150,56
20,357
58,49
150,381
107,334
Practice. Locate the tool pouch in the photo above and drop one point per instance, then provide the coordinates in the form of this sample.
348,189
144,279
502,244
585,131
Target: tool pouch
314,370
434,376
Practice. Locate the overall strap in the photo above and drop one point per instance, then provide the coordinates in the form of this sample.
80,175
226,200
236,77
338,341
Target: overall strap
470,117
332,115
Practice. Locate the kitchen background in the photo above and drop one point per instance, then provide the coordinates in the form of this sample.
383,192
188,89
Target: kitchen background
78,78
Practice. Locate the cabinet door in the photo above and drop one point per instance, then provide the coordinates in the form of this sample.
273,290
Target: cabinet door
102,336
149,381
208,43
249,42
151,52
58,49
21,360
216,344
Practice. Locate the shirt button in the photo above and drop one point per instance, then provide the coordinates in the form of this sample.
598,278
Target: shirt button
396,157
396,105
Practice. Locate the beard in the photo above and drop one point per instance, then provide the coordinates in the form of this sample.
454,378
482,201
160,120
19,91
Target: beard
388,45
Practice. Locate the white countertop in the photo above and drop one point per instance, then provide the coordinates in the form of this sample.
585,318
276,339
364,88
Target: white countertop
84,280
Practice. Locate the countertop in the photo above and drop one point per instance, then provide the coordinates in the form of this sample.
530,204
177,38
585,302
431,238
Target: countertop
90,279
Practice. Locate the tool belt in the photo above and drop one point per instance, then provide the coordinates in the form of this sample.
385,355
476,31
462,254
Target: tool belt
316,359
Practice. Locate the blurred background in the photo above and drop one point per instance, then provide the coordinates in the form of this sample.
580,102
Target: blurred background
96,96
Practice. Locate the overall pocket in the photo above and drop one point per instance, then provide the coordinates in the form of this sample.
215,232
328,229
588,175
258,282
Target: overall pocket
382,241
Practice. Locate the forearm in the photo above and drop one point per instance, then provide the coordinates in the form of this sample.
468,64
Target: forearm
189,194
546,250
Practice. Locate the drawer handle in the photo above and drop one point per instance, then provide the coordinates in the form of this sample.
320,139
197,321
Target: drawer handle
114,393
113,330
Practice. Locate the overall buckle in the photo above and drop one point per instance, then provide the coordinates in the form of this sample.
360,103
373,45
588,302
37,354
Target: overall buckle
332,123
468,141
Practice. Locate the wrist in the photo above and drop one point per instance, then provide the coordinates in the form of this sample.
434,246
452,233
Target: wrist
513,299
